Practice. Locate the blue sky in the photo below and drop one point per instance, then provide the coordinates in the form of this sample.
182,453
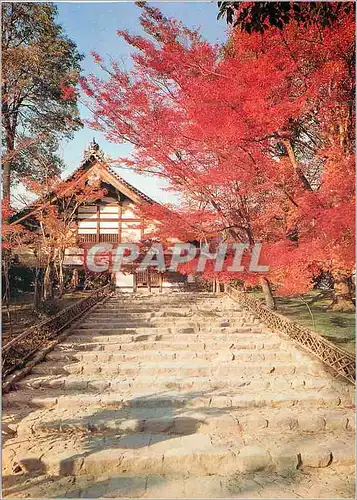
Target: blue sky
93,26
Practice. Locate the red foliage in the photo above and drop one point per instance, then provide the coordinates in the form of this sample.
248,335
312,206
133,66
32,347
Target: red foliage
14,236
211,122
56,208
68,93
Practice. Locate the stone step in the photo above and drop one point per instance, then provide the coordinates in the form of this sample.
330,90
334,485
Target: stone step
182,334
133,343
264,422
190,454
209,308
265,484
151,387
107,324
125,309
146,398
124,316
120,315
173,304
168,296
150,301
217,355
240,384
155,302
175,366
178,311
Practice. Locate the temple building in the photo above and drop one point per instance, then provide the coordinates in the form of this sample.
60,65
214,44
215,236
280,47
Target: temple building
112,219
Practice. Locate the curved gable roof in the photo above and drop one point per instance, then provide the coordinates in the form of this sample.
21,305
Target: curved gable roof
93,158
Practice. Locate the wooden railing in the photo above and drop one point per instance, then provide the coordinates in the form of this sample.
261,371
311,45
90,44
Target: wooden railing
342,362
16,352
98,238
87,238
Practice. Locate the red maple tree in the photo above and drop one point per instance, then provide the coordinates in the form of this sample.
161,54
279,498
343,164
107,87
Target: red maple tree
14,238
257,137
54,215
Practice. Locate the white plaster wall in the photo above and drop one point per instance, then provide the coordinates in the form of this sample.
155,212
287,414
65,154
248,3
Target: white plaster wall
124,281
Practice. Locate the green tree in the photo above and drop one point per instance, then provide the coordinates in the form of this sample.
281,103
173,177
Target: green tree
259,16
40,68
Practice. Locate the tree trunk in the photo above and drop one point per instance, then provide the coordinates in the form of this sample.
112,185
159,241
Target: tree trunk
75,279
9,137
268,294
60,281
6,169
37,296
61,274
342,300
5,266
47,284
296,166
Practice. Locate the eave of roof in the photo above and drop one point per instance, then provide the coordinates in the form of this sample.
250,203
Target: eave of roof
91,157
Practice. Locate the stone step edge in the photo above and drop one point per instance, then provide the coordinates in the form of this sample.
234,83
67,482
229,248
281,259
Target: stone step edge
179,329
194,338
164,344
170,364
183,424
73,383
155,486
126,368
224,355
206,459
248,401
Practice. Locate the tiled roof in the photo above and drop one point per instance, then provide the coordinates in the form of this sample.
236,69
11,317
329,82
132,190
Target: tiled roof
129,186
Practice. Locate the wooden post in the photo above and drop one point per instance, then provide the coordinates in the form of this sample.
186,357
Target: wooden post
120,221
149,280
112,281
98,223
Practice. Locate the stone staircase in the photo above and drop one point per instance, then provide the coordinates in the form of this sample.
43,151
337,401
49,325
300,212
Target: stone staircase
182,395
